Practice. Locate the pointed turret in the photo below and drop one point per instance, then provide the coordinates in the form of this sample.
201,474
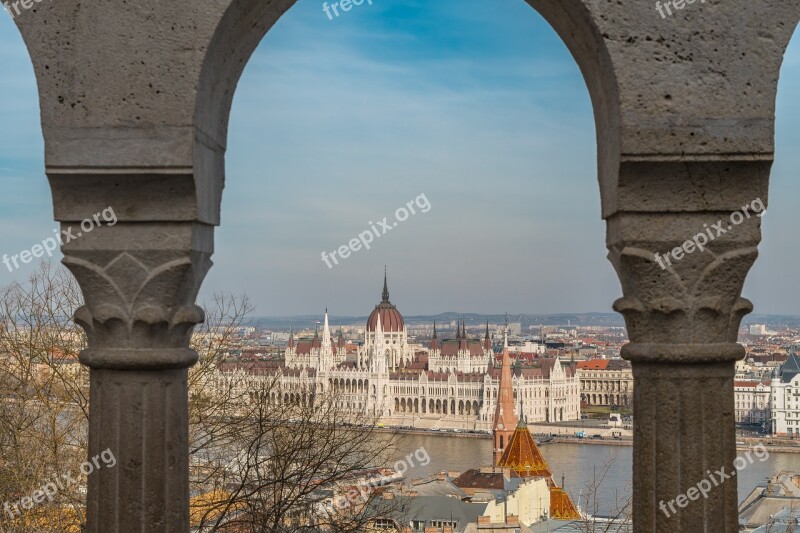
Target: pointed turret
340,339
326,331
504,418
487,341
315,340
435,338
385,295
524,457
326,348
291,339
462,345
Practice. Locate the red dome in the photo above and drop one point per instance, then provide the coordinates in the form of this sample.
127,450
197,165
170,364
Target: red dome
391,319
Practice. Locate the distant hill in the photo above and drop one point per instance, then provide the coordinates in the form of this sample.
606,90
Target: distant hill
472,319
475,319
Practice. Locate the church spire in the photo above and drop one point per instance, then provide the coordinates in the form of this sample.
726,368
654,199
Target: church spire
326,331
385,295
487,341
435,338
505,419
326,348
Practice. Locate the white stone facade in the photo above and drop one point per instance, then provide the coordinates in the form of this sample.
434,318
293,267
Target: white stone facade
752,401
449,385
785,405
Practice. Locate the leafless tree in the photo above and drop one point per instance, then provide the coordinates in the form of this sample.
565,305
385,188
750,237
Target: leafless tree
43,401
259,463
619,519
270,461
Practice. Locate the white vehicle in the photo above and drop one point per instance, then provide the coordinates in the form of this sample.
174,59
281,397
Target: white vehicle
614,420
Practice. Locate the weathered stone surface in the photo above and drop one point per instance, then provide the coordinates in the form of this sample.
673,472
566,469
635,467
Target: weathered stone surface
135,100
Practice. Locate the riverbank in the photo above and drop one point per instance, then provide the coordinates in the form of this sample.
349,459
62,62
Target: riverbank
743,443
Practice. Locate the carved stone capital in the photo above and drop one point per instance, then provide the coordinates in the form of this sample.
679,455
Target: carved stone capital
692,300
140,282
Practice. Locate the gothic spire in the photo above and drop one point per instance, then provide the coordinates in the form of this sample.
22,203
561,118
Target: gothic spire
385,287
326,331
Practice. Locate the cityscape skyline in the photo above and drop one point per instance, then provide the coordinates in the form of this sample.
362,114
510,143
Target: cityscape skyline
490,120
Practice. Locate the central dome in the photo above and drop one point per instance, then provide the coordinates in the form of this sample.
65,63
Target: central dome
391,319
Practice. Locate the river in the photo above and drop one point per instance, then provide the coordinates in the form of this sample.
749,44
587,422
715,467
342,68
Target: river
579,463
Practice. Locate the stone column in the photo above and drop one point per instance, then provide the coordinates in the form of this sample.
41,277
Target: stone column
683,322
139,281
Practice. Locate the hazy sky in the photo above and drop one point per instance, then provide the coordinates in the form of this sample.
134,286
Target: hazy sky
338,123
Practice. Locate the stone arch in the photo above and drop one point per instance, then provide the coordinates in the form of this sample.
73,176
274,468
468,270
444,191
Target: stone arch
156,152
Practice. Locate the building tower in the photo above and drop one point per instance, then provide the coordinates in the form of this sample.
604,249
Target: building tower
505,421
325,356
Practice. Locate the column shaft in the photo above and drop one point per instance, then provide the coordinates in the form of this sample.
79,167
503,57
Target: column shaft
684,434
141,416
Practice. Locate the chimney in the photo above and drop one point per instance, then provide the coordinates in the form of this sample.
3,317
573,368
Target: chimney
484,520
512,520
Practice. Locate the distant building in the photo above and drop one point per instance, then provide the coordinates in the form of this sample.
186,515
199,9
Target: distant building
515,448
758,329
606,382
751,401
450,384
773,507
785,404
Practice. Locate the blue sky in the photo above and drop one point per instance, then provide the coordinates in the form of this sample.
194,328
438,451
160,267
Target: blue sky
337,123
